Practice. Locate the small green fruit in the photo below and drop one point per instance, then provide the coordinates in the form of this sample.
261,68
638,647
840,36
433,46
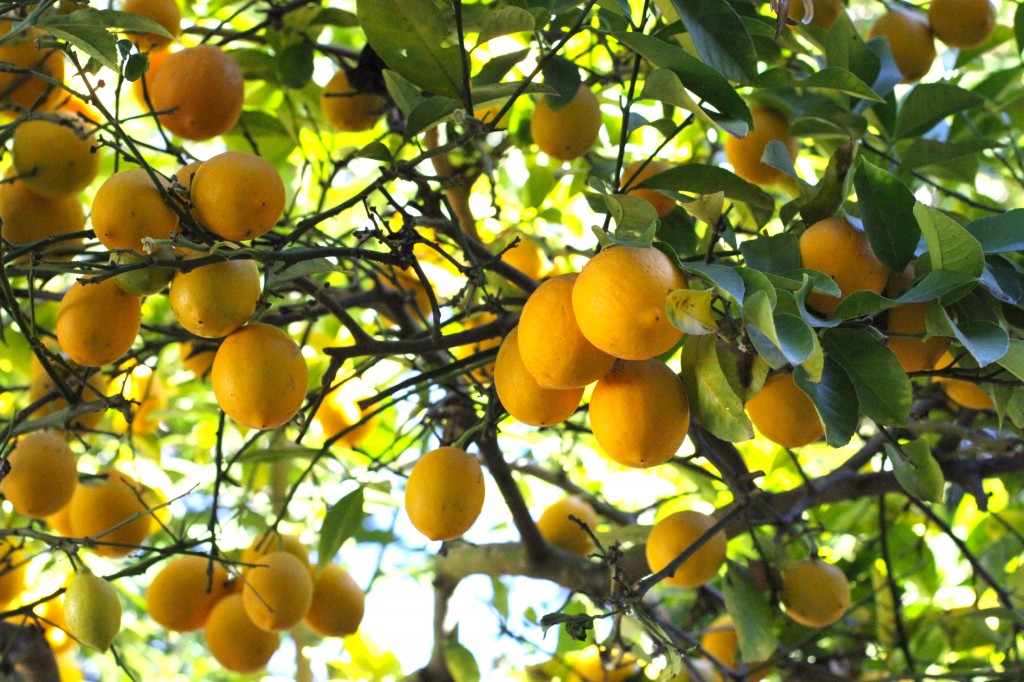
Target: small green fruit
145,281
92,610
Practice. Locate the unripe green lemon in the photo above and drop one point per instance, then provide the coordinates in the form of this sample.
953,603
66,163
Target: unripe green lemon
92,610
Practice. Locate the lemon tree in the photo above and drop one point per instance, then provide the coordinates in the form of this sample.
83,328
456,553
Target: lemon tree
517,340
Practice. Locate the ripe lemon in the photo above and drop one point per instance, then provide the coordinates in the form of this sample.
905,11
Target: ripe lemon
784,414
744,154
92,610
235,641
272,541
216,299
671,536
17,88
962,392
184,592
197,358
13,569
97,323
128,206
910,41
94,388
28,217
551,344
619,301
962,23
203,89
826,12
570,131
841,251
346,108
277,593
445,493
110,509
522,396
145,390
635,173
721,643
340,410
588,666
43,475
639,413
55,155
556,527
259,376
526,256
906,323
816,594
238,195
164,12
338,604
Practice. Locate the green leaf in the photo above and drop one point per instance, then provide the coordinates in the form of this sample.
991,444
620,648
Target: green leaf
631,214
713,401
832,189
503,21
279,453
1013,360
332,16
950,246
922,152
314,266
844,48
696,76
726,279
929,103
295,65
340,523
576,624
720,37
130,22
935,284
776,254
1001,233
986,341
796,339
916,469
497,66
835,398
1018,27
883,388
429,113
85,29
461,664
751,615
701,179
887,209
831,78
414,37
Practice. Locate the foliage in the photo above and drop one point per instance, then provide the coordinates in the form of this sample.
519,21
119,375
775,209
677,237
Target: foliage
406,251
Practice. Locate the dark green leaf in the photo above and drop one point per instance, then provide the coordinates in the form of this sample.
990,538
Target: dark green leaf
1000,233
835,398
887,209
844,48
576,624
776,254
135,66
130,22
505,20
986,341
340,523
751,615
84,29
726,278
916,469
332,16
405,93
883,388
695,75
700,179
1018,27
496,67
950,246
413,37
922,152
832,189
713,401
295,65
429,113
279,453
935,284
929,103
830,78
720,37
562,76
